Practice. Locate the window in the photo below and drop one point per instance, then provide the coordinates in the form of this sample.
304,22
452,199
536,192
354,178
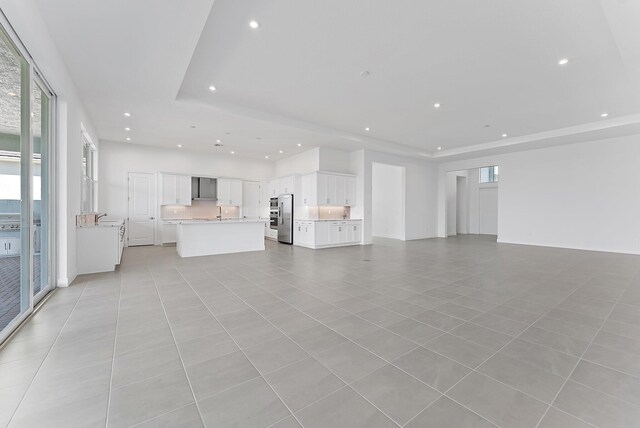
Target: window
489,174
89,175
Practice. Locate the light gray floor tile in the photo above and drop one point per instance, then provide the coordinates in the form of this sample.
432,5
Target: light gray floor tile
184,417
143,400
343,409
317,339
350,361
529,379
438,320
398,395
435,370
251,404
386,344
351,326
380,316
206,347
610,381
302,383
559,419
416,331
482,336
460,350
618,360
275,354
597,408
212,376
500,324
458,311
289,422
137,366
497,402
540,356
615,341
559,342
447,413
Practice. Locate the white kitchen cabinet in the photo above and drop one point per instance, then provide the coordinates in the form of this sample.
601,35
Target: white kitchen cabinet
282,186
99,247
229,192
10,245
176,189
332,189
273,187
168,232
318,234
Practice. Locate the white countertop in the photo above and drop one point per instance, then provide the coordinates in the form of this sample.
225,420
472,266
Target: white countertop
226,221
318,221
105,223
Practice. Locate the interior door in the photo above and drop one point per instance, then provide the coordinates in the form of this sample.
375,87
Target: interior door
142,208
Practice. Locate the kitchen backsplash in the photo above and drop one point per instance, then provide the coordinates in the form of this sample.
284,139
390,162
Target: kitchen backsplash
198,209
329,213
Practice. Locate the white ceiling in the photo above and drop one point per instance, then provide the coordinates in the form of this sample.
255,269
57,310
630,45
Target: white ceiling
297,78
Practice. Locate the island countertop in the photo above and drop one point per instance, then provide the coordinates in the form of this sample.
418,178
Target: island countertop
224,221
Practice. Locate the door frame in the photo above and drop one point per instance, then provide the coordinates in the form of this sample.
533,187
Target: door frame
154,210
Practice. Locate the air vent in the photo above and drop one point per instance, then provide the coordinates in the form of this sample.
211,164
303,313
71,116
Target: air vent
218,145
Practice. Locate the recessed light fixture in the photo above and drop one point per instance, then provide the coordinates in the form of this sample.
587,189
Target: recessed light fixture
439,148
504,135
128,138
254,24
266,157
127,114
604,115
180,145
218,141
281,152
367,129
212,88
563,61
437,105
232,152
127,129
299,145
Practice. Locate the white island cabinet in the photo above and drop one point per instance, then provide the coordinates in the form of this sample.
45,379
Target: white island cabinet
206,238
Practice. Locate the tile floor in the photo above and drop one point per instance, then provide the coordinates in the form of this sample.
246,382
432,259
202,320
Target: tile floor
461,332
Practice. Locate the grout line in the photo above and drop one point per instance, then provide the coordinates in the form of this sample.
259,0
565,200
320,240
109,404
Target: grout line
46,356
184,368
113,355
584,353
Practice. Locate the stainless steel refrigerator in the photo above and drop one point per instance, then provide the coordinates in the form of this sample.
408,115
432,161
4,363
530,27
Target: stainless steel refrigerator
285,219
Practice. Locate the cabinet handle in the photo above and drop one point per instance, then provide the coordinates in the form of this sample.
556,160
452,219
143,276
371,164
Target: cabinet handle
9,245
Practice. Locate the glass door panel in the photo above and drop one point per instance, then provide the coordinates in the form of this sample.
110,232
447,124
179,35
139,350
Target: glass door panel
14,284
40,170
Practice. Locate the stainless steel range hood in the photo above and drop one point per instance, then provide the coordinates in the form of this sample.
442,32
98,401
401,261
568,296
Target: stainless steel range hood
204,189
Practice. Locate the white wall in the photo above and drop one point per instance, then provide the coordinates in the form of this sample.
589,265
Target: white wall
116,160
28,24
582,196
488,209
335,160
387,201
421,178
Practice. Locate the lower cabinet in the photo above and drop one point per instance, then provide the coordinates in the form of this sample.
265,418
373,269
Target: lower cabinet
326,234
169,232
99,248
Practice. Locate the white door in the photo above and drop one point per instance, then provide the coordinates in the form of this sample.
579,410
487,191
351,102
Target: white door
488,207
142,207
251,199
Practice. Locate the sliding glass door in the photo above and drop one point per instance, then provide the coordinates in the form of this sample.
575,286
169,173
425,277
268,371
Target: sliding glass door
26,172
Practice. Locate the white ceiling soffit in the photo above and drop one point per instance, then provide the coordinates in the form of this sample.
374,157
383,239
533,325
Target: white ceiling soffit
298,77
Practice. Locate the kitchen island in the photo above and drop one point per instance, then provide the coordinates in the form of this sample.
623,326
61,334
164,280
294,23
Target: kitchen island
211,237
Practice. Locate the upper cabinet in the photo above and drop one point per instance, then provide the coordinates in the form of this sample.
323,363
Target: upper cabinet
282,186
325,188
176,189
229,192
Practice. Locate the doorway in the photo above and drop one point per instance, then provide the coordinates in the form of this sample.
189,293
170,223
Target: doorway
388,201
462,203
142,209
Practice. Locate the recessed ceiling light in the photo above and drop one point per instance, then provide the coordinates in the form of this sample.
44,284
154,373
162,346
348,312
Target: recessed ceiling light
604,115
504,135
299,145
281,152
266,157
127,129
232,152
439,148
367,129
437,105
127,114
563,61
128,138
254,24
218,141
212,88
179,145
